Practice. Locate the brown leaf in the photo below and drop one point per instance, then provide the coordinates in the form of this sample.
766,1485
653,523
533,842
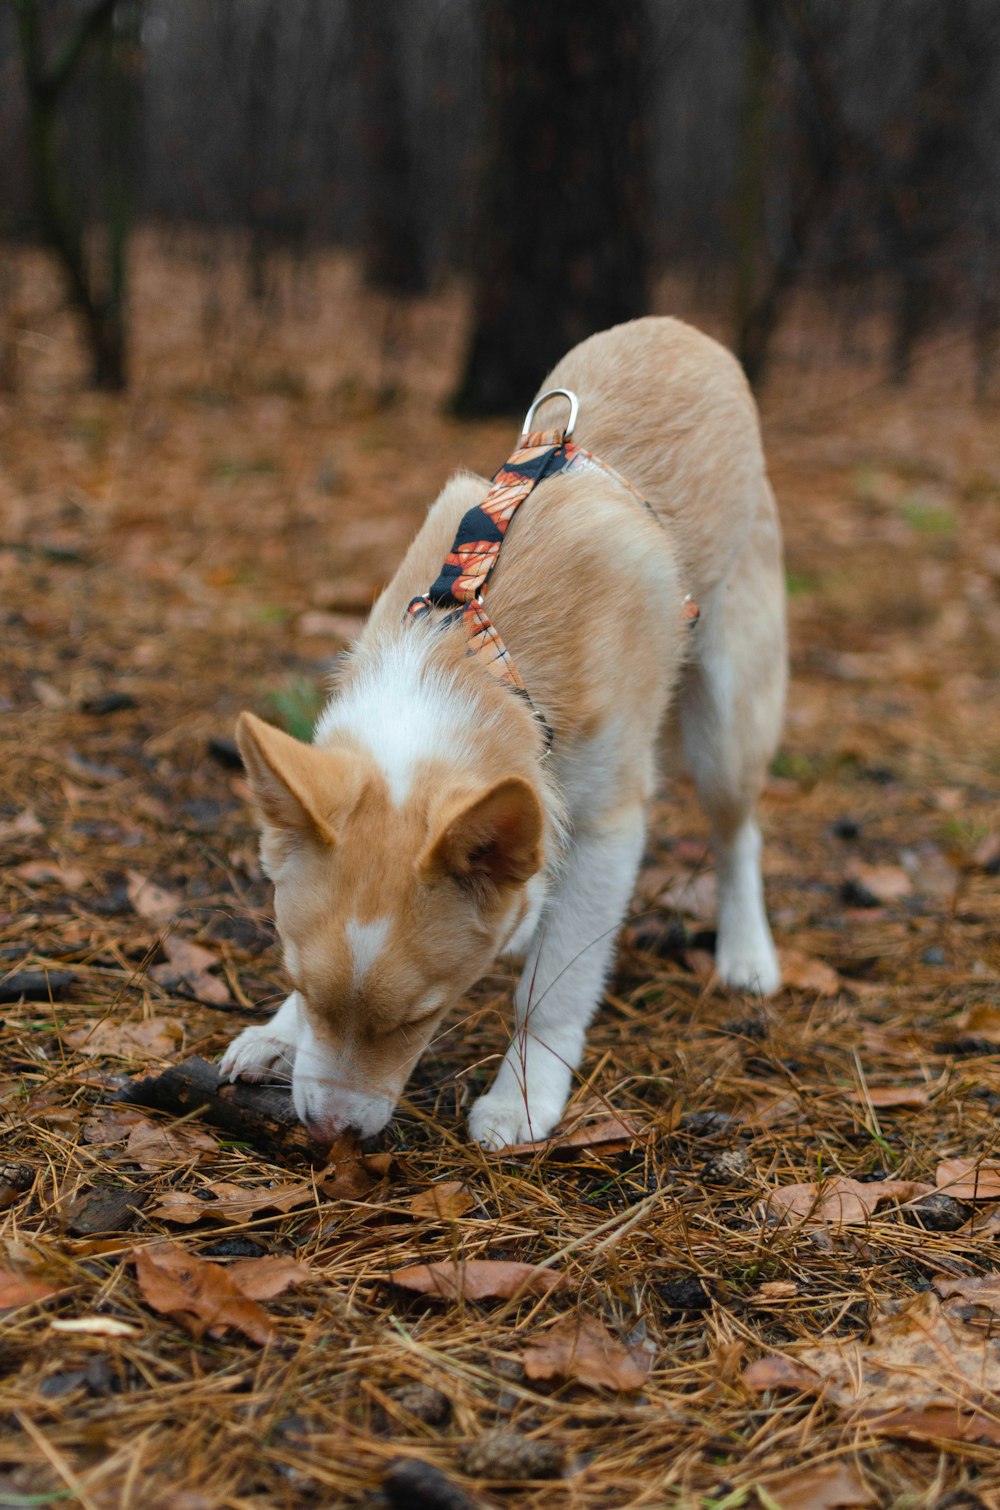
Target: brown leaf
939,1423
888,1097
111,1124
969,1179
476,1279
778,1289
264,1278
824,1486
21,1290
918,1357
693,894
982,1290
804,972
24,826
230,1203
155,1146
583,1350
446,1199
587,1135
71,877
986,854
156,1038
186,972
199,1295
886,883
150,901
842,1200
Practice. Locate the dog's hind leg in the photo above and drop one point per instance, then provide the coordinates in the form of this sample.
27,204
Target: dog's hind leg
731,706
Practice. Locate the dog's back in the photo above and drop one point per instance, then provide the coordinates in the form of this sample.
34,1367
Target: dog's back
670,409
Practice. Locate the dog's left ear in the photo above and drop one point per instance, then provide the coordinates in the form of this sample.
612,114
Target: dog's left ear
494,839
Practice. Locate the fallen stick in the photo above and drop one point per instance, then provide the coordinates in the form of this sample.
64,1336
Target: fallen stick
257,1114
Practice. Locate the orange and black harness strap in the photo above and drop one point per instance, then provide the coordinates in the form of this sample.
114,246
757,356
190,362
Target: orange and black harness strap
466,571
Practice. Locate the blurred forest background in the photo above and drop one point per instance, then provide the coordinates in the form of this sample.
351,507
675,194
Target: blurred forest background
270,270
563,159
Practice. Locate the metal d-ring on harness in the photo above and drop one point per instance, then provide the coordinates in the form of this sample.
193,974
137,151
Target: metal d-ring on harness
465,573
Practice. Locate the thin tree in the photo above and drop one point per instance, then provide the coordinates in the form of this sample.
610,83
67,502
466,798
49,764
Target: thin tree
562,245
96,284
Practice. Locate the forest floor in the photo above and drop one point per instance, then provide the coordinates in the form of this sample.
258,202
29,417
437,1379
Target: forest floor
777,1271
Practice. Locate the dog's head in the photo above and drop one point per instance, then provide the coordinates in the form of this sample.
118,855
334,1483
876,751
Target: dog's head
388,910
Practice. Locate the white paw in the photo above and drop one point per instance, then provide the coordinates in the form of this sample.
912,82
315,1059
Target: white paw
498,1120
749,968
257,1054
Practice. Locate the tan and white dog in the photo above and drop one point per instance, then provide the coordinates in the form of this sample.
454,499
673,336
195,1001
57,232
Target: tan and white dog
423,832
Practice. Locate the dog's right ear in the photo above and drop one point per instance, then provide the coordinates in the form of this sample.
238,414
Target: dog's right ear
297,790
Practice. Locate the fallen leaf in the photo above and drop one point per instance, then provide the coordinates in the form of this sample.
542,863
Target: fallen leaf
94,1326
69,876
982,1290
586,1135
185,972
201,1296
887,1097
187,956
885,883
841,1200
24,826
446,1199
778,1289
155,1146
804,972
986,854
939,1423
918,1357
150,901
476,1279
111,1124
583,1350
981,1021
21,1290
155,1038
969,1179
825,1486
231,1203
264,1278
693,894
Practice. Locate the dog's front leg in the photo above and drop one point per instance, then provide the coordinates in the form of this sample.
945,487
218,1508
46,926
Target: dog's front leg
564,975
266,1051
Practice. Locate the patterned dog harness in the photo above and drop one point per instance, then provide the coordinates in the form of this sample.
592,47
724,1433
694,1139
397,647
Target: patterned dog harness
466,571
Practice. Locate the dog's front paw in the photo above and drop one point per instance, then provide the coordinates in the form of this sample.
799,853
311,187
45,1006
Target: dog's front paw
498,1120
257,1054
749,967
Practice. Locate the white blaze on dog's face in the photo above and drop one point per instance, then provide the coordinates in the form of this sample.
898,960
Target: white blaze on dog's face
387,913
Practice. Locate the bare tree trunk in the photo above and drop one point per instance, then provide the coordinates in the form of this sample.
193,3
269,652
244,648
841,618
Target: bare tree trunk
100,301
393,254
562,246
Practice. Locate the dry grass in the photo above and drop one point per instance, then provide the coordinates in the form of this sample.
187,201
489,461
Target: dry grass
168,546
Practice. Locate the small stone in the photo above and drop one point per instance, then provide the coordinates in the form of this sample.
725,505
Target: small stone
934,957
410,1484
425,1403
685,1294
730,1166
506,1454
938,1212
